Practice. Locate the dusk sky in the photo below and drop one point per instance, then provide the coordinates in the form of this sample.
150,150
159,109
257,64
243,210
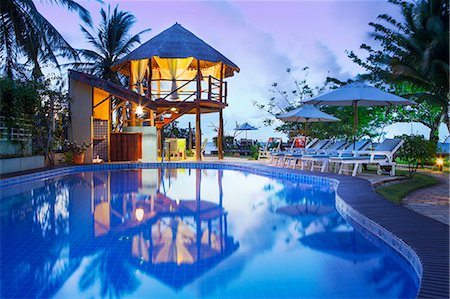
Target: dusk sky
262,37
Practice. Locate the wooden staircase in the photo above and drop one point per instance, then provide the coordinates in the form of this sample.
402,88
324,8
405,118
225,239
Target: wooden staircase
165,120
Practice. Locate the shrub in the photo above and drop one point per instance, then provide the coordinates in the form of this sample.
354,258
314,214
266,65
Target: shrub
254,151
416,150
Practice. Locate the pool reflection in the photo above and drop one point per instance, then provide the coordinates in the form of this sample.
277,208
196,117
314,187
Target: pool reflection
188,233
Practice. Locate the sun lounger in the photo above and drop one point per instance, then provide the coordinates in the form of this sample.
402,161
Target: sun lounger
382,156
298,144
295,157
338,149
272,145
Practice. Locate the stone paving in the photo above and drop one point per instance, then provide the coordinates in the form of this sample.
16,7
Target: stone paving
433,202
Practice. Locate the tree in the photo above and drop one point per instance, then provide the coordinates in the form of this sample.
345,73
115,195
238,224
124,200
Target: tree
110,42
369,123
416,150
25,33
413,59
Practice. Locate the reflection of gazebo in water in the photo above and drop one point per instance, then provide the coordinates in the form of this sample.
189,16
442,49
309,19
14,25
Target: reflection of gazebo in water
180,74
187,238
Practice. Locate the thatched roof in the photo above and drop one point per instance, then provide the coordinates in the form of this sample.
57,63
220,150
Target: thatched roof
178,42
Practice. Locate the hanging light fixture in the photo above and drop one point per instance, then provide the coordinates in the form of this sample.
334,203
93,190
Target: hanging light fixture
139,110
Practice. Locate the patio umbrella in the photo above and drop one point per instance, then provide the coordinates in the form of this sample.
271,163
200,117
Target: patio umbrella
307,114
358,94
245,127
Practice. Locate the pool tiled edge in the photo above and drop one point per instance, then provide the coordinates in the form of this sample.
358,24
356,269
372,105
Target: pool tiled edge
351,193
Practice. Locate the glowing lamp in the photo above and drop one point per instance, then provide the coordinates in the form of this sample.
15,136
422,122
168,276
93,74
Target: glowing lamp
139,110
173,109
177,201
139,214
440,163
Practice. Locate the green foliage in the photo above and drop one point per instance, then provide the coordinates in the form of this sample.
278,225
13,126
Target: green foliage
254,151
189,153
25,33
228,142
172,130
38,105
19,98
413,60
66,159
75,147
370,119
416,150
396,191
110,42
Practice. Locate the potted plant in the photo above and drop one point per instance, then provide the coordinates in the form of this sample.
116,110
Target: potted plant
77,151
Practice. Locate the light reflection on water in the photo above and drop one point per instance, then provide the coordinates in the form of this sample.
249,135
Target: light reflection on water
187,233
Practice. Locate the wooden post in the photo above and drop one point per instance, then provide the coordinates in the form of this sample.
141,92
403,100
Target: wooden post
199,82
220,136
220,130
198,130
159,141
149,91
133,105
209,88
226,92
190,137
198,134
221,82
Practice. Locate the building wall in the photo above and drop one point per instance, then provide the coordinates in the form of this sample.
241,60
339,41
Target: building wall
101,124
149,142
81,114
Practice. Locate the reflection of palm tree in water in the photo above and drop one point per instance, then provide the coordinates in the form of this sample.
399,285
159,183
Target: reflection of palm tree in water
115,274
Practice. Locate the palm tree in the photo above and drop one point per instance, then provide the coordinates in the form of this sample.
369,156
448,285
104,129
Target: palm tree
110,43
425,59
414,56
25,33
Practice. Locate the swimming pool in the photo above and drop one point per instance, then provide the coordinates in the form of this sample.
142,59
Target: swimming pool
166,233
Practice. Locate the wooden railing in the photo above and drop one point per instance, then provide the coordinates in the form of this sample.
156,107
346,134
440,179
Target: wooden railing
216,90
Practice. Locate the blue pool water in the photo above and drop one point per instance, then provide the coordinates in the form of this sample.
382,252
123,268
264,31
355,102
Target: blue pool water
187,233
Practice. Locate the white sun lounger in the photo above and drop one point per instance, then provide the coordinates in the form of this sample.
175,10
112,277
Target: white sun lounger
279,157
339,149
295,157
273,145
382,156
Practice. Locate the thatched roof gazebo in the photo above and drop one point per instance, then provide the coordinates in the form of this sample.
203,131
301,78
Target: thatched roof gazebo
181,74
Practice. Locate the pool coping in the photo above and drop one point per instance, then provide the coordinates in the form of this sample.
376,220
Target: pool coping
394,224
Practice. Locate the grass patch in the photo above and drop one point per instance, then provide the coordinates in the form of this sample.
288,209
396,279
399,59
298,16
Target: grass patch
396,191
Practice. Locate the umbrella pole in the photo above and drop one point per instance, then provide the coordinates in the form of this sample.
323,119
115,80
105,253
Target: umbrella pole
355,122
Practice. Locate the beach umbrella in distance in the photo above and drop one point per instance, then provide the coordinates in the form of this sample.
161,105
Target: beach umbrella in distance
307,114
245,127
358,94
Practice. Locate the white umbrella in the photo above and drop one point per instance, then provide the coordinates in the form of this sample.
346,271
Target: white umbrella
307,114
358,94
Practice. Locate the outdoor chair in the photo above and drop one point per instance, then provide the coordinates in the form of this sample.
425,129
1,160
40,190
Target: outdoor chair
382,156
202,151
298,144
313,149
338,149
273,145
